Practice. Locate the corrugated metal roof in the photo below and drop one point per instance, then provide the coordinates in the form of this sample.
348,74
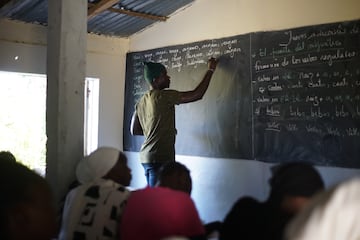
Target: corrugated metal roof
108,23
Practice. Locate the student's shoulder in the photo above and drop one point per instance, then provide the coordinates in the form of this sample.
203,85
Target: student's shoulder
247,201
162,194
246,204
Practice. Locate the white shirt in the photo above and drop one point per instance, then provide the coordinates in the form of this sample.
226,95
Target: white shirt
331,215
92,211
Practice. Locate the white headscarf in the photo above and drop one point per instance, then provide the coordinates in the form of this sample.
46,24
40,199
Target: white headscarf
97,164
331,215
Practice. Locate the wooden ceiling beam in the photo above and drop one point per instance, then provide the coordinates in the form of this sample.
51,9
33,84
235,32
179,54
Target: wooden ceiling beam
135,14
100,7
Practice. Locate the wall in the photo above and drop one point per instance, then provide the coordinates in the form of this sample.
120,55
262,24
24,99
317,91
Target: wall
219,182
208,19
105,60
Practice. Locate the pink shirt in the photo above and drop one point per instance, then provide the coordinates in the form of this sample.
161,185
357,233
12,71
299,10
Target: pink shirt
156,213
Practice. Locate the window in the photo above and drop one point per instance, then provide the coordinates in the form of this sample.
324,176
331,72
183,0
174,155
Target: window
23,117
91,117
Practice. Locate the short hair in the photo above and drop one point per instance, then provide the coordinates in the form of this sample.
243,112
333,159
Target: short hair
176,176
295,179
16,181
172,168
7,156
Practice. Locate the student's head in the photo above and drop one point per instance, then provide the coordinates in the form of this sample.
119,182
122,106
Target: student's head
7,156
293,184
104,162
26,205
156,75
176,176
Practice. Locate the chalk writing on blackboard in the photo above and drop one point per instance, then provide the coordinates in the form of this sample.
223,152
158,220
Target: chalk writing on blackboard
306,89
209,133
276,96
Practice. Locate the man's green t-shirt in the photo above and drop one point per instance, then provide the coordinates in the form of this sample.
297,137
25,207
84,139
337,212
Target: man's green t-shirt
156,113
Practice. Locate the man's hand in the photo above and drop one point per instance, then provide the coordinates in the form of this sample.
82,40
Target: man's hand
212,63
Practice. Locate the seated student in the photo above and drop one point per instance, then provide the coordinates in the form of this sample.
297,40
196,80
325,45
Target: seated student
7,156
93,209
26,204
332,215
176,176
292,185
167,210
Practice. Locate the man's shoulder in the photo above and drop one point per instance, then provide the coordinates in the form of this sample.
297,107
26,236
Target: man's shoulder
164,92
170,95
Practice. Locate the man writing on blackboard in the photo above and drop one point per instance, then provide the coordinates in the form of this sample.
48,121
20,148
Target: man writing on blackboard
154,116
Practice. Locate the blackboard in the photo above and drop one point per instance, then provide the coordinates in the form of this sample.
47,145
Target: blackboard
276,96
220,124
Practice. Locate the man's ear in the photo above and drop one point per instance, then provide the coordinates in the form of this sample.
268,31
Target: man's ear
155,81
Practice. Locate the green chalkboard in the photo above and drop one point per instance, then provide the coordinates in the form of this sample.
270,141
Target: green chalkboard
276,96
306,94
219,125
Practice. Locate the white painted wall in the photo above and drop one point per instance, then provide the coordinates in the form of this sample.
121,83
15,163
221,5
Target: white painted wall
219,182
210,19
105,60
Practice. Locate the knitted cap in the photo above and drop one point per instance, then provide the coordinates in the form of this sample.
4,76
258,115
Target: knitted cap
97,164
152,70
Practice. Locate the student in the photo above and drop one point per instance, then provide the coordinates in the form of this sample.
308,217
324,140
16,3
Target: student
333,214
167,210
176,176
291,187
154,116
7,156
26,204
92,211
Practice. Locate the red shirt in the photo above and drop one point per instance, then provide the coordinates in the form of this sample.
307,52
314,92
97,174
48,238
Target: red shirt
156,213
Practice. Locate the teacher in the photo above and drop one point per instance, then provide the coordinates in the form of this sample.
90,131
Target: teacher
154,116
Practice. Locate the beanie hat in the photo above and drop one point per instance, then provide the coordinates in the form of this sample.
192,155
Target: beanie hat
97,164
152,70
295,179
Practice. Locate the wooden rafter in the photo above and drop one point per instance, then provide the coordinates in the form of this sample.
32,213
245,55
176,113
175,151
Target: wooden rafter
135,14
101,6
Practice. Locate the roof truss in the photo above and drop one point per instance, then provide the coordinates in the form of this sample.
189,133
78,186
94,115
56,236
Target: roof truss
107,5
